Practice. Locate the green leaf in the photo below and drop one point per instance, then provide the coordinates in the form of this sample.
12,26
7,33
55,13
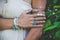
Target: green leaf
55,1
47,24
56,6
56,24
57,34
58,11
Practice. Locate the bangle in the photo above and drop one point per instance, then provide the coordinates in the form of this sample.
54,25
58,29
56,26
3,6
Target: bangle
15,24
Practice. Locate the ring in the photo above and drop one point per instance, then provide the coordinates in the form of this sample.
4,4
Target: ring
35,22
39,14
35,10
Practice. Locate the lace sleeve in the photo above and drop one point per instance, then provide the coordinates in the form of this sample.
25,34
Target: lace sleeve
0,12
1,6
2,2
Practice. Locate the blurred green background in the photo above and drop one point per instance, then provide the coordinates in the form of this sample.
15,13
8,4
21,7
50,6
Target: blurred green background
51,30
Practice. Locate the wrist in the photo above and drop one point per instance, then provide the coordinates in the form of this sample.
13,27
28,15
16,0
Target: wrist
19,22
15,23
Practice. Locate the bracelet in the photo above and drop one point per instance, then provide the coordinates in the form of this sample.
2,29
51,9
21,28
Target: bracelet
15,24
36,10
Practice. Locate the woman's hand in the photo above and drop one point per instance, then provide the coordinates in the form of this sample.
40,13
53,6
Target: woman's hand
40,17
35,33
26,20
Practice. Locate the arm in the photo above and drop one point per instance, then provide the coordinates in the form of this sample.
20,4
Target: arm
35,33
5,23
24,21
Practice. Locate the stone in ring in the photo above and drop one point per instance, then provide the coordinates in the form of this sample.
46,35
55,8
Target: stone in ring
39,14
35,22
35,10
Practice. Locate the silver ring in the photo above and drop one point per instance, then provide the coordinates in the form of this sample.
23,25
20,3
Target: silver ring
39,14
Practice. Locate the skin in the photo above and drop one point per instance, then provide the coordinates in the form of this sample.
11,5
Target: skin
7,24
35,33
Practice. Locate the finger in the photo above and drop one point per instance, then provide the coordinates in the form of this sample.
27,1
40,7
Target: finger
38,22
30,16
27,11
31,19
39,15
38,18
35,15
40,26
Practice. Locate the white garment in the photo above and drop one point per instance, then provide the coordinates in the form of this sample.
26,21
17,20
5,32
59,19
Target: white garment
12,9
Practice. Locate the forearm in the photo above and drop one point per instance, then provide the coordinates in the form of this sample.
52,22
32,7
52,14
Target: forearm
5,23
39,3
34,34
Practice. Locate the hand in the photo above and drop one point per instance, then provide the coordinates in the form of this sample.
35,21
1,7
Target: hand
26,20
40,19
35,33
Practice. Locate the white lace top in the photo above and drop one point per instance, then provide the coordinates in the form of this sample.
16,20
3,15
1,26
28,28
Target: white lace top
11,9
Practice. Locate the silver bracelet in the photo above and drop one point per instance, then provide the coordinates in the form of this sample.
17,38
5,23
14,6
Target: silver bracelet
15,24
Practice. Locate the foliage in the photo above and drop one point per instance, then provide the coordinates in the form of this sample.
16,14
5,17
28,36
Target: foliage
51,30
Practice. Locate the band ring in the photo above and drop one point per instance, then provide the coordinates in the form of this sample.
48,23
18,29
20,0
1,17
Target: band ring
39,14
35,10
35,22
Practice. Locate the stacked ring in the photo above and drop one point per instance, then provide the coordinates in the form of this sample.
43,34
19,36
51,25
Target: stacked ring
35,22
